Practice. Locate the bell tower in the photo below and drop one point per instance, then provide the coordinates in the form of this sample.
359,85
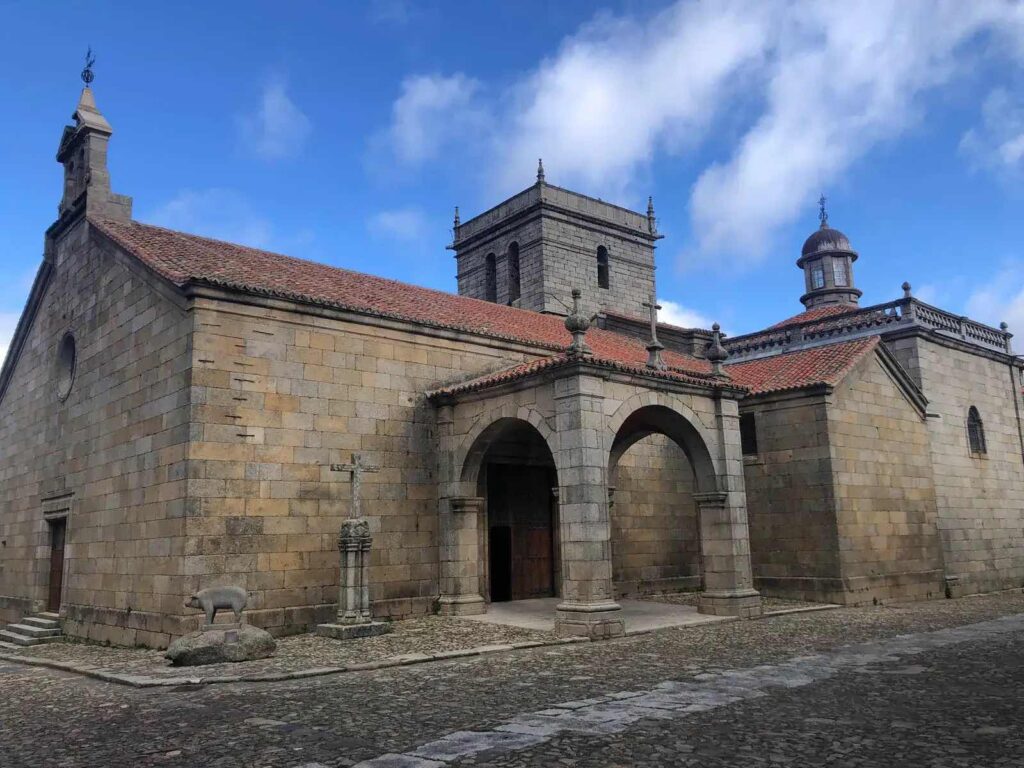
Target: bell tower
83,153
827,261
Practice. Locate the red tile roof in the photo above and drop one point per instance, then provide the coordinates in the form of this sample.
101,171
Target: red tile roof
183,258
817,313
795,370
530,367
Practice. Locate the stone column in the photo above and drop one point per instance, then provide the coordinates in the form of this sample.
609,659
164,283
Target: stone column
724,535
588,607
460,557
459,515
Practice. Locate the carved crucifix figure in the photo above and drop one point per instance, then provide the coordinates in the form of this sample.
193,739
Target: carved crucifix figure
357,467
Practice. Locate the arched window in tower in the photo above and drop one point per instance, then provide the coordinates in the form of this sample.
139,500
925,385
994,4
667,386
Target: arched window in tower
602,267
975,431
490,278
513,273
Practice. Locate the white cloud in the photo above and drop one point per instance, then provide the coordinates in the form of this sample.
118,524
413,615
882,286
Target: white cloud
675,313
398,12
404,224
431,112
8,322
278,128
218,213
998,143
1001,299
810,89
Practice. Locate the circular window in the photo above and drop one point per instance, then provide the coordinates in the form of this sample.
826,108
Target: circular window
66,358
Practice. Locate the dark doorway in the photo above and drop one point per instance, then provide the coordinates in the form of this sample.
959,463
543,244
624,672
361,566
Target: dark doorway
500,547
58,528
521,532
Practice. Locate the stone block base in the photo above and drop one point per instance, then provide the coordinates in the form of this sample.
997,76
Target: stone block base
353,631
746,604
461,605
598,622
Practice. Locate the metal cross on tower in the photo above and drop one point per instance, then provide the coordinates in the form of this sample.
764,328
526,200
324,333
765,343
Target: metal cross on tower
357,468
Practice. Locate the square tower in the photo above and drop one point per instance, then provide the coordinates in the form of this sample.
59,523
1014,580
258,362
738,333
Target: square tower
532,250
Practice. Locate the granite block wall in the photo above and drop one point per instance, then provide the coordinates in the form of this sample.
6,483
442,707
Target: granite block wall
111,456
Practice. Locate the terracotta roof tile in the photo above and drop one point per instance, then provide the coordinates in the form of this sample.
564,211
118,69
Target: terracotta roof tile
817,313
554,361
826,364
182,258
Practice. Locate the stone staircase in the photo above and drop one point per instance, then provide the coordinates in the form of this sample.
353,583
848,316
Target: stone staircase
32,630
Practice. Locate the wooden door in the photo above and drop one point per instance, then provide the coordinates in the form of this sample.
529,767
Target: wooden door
519,508
58,528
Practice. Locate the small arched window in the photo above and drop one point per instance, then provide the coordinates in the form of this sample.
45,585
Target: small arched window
490,278
602,267
513,273
975,431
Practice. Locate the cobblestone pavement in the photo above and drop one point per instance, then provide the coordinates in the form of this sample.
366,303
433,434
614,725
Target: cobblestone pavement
776,691
429,635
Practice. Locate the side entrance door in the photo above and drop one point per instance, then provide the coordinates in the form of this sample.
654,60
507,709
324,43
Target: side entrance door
58,529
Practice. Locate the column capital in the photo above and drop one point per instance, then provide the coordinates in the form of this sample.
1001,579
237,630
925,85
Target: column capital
466,505
711,498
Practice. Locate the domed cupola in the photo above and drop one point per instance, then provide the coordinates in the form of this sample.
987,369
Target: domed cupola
827,261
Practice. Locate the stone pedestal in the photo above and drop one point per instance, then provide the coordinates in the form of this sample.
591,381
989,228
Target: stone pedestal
355,618
598,621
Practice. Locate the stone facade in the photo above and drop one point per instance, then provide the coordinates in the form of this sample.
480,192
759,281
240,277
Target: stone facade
980,497
558,233
842,505
111,458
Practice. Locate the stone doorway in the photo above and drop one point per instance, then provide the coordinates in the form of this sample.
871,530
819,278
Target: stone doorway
521,534
58,531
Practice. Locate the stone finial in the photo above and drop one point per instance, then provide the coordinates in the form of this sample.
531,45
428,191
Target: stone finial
822,213
906,291
577,324
1004,326
540,170
652,223
455,225
716,353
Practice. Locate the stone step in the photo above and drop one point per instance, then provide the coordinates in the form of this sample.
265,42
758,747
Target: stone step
35,621
48,615
31,631
8,646
17,639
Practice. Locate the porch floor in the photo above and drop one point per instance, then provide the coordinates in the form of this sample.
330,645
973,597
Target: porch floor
639,615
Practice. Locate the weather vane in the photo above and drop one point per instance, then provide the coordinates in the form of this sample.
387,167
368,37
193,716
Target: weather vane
87,75
822,213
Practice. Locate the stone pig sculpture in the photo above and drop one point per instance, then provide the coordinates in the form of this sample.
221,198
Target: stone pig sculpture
211,599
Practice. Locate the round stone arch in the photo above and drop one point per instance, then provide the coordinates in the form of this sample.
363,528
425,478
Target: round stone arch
649,413
487,430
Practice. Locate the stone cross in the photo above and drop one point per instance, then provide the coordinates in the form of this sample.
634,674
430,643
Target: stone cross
654,347
653,306
357,467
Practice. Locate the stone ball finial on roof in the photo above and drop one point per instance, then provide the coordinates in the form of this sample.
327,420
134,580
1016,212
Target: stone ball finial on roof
716,354
906,290
577,324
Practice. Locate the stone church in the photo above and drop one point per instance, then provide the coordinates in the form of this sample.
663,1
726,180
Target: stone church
178,412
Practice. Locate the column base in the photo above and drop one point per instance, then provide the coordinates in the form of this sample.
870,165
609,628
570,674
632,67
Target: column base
743,603
353,631
461,605
598,621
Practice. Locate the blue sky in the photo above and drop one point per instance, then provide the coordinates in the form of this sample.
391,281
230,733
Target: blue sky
347,132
